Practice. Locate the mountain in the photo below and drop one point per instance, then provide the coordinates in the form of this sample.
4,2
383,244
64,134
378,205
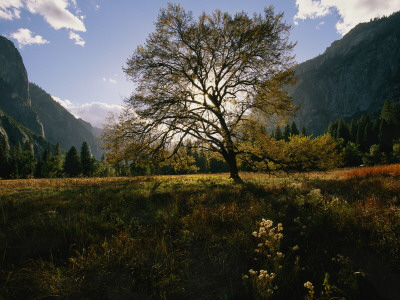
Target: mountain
60,125
16,132
27,112
14,88
355,75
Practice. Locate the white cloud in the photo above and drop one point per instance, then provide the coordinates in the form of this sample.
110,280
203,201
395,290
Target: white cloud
351,12
54,12
25,37
95,112
111,80
320,25
65,103
77,38
9,9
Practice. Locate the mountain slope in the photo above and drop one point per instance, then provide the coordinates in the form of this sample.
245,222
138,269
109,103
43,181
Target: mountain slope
14,89
27,111
354,75
60,125
14,132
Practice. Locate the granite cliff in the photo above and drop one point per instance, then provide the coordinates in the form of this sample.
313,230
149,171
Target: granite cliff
27,112
355,75
14,88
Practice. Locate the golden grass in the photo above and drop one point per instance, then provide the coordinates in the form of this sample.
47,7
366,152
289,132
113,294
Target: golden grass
142,237
386,170
222,178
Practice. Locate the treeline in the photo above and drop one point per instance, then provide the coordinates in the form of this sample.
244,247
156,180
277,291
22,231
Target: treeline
370,142
20,162
282,150
362,141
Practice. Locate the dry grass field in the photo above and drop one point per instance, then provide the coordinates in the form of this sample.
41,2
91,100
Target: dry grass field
322,235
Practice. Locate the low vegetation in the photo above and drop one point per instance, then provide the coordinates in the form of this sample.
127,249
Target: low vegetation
316,235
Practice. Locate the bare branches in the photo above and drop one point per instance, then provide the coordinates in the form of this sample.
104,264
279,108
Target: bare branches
203,78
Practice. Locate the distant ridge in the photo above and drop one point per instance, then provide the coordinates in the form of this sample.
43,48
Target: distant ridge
355,75
60,125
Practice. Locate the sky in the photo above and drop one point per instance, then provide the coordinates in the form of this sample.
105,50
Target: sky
76,49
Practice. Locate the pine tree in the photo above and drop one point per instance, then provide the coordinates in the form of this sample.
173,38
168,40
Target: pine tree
15,160
303,131
72,165
4,157
353,131
286,133
86,160
361,123
203,162
294,130
368,135
43,166
387,112
28,160
278,133
332,128
385,141
375,132
343,131
56,163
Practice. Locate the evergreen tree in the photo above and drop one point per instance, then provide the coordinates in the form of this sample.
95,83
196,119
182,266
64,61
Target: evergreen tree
294,130
343,131
202,162
72,165
353,131
28,161
303,131
385,137
387,112
368,135
56,168
278,133
86,160
4,157
332,128
361,123
43,166
16,160
396,114
286,133
374,139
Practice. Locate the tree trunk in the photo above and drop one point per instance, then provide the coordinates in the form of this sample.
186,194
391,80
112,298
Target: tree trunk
231,160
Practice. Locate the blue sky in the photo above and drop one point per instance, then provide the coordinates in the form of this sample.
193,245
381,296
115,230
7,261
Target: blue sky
75,49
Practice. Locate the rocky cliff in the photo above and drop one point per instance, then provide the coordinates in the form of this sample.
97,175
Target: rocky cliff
14,88
15,133
27,112
354,75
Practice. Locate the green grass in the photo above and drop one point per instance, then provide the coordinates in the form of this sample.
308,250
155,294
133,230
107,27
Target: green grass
191,237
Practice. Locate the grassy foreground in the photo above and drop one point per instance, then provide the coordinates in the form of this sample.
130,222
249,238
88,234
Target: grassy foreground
322,236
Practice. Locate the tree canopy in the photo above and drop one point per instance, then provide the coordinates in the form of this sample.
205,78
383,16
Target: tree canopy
203,79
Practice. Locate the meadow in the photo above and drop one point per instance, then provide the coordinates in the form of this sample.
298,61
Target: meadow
332,235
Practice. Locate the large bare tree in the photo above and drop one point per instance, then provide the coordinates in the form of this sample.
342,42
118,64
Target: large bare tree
204,79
